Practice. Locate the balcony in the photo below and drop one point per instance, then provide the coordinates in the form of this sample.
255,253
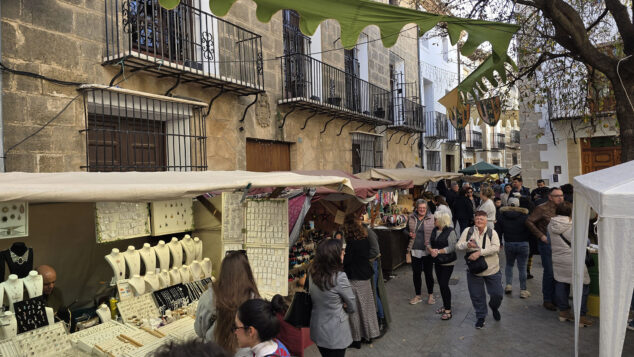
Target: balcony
474,140
186,43
313,85
453,135
497,141
436,125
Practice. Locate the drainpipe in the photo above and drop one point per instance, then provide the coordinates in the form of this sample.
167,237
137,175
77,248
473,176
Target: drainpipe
420,99
2,169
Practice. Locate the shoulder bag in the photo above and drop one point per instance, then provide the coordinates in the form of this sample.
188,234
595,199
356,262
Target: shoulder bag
589,259
479,265
300,310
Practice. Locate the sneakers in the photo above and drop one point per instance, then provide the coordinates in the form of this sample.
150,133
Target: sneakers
550,306
415,300
496,313
585,322
525,294
508,289
566,315
479,324
630,326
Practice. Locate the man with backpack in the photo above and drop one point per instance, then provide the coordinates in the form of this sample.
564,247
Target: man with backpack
482,245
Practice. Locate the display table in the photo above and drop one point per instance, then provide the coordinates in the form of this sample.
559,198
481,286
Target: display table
393,244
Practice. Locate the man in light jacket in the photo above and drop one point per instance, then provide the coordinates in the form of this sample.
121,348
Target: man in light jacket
472,240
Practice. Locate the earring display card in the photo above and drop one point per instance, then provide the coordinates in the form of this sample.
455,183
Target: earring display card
134,310
86,339
149,347
270,267
171,298
121,220
267,222
14,219
232,218
30,314
46,341
173,216
182,329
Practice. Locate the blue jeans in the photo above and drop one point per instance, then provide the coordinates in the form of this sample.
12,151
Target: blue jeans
562,291
516,251
478,296
548,279
379,305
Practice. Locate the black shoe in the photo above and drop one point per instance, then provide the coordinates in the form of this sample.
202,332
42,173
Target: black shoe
355,344
496,313
479,324
550,306
529,276
363,340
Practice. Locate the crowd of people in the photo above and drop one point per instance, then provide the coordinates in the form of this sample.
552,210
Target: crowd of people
349,304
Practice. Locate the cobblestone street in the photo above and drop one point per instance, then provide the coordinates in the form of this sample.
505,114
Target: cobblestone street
526,327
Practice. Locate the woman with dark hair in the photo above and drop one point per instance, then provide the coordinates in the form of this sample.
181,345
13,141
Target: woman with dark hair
463,208
332,299
364,324
218,305
256,326
443,206
191,348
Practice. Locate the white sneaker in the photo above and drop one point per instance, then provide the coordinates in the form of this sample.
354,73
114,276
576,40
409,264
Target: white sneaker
525,294
508,289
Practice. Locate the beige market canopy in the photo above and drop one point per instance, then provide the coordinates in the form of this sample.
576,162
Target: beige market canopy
417,175
147,186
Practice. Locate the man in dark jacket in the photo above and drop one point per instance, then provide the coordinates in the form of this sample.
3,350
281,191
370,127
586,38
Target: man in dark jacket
518,186
511,226
537,223
463,209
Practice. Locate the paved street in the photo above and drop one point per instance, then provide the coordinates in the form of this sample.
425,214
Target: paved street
526,327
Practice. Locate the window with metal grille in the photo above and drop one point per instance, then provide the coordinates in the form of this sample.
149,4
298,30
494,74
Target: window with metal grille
433,160
367,152
129,131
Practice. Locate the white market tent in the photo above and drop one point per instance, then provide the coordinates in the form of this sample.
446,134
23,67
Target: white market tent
610,192
417,175
147,186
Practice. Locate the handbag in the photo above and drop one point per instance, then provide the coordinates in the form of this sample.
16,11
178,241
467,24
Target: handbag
298,313
479,265
589,260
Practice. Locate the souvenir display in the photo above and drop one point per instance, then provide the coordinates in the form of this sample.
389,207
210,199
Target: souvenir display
176,250
33,284
173,216
121,220
148,256
117,262
133,260
30,314
163,253
138,308
14,219
19,259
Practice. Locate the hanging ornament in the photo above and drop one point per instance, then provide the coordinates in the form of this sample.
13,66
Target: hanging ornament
490,110
457,112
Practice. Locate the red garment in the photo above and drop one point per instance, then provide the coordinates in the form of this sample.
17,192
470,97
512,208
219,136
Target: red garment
295,339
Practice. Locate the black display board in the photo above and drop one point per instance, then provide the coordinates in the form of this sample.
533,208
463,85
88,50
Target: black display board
171,298
30,314
197,288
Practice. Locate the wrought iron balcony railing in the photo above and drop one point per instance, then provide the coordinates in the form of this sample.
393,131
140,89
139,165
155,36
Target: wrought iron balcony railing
311,84
453,135
407,115
186,43
436,125
474,140
498,141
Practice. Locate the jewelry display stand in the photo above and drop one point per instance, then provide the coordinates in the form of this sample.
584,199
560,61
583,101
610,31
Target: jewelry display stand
8,325
50,340
189,247
196,270
163,253
164,279
133,260
33,284
152,282
182,329
135,310
148,256
14,289
206,266
138,285
30,314
186,274
117,262
85,340
175,276
104,313
50,315
198,244
176,250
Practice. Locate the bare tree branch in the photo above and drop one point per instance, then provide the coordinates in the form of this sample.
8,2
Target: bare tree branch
598,20
623,23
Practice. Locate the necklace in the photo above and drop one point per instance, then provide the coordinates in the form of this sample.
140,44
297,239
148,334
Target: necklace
19,259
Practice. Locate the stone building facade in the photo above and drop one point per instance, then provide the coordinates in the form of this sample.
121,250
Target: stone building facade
152,63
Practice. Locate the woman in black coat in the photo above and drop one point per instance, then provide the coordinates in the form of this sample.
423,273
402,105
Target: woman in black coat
463,209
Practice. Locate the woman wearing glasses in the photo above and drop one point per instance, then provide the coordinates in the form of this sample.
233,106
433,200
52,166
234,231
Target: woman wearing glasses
255,328
218,305
332,299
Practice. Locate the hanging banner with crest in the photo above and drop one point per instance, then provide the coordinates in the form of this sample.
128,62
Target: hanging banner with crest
489,110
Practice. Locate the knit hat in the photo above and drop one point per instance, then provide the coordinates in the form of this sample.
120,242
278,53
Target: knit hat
514,202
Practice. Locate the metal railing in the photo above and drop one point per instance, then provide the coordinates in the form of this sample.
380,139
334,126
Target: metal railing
452,134
305,78
184,41
498,141
474,140
436,125
515,137
406,113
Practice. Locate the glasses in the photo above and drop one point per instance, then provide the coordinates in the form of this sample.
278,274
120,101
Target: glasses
557,196
234,328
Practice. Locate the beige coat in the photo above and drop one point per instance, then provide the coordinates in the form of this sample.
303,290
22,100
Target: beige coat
562,253
490,251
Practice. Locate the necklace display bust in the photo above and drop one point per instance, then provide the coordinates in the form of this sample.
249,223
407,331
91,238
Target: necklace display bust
152,281
14,289
206,265
164,279
34,284
197,270
186,274
133,259
138,284
189,247
163,253
175,276
8,325
104,313
198,244
117,263
19,259
176,249
148,256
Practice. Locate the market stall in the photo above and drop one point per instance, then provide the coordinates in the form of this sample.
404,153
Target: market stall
129,240
483,167
418,176
610,193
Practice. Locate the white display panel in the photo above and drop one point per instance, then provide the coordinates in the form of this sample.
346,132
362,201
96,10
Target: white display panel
44,341
14,219
267,222
121,220
86,339
173,216
270,267
232,217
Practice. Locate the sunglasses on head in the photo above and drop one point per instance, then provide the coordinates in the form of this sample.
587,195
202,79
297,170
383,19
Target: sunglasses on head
240,251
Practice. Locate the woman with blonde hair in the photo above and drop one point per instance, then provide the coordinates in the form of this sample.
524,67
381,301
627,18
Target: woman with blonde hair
218,305
487,205
441,247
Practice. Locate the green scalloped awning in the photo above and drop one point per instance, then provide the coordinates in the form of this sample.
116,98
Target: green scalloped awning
355,15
